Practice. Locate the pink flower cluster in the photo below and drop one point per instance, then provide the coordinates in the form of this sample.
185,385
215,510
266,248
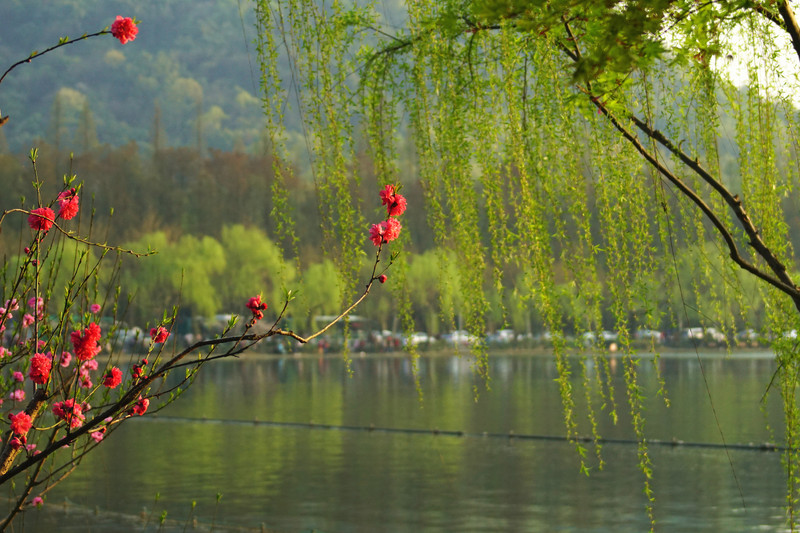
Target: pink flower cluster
40,368
257,307
159,334
71,412
112,378
37,304
124,29
21,422
85,375
5,315
41,219
140,407
68,202
137,371
395,203
85,345
389,229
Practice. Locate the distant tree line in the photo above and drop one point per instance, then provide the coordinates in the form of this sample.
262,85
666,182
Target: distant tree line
209,214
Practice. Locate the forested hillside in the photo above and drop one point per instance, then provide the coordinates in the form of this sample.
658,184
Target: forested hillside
193,60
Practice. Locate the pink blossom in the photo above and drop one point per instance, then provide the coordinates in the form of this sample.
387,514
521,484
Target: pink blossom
18,442
376,233
159,334
18,376
12,305
392,230
257,307
98,435
137,371
4,352
124,29
89,365
20,423
65,359
85,344
395,203
386,231
68,202
17,395
27,320
112,378
37,304
141,406
40,368
95,308
41,218
70,412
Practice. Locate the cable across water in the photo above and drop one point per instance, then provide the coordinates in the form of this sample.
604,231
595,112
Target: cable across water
511,435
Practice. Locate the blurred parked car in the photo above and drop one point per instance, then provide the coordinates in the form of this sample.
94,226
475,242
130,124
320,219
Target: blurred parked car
648,335
713,336
459,336
748,337
606,337
416,338
501,336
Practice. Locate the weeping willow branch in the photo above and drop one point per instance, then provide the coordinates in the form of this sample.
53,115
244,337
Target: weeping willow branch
782,281
735,203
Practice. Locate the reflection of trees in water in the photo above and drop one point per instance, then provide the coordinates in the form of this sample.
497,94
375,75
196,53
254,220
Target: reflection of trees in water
284,475
523,395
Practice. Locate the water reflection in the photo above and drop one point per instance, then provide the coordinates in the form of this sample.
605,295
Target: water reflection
294,479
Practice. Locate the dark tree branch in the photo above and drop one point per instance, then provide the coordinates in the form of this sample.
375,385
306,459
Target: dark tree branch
790,24
780,280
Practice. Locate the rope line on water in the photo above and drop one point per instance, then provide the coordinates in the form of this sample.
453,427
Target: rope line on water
511,435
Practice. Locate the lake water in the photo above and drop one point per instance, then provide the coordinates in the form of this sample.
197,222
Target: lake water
287,446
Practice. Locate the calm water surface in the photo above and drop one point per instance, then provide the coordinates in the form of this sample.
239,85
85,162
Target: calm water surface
215,440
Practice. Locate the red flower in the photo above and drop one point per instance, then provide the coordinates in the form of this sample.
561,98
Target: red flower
124,29
159,335
382,278
392,230
68,201
376,233
70,412
257,307
20,423
386,231
41,218
85,345
112,378
141,406
395,203
137,371
40,368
